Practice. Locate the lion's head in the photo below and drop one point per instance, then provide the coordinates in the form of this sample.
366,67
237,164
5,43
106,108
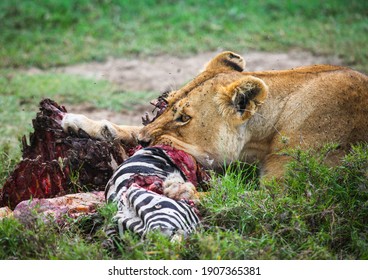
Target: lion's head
208,116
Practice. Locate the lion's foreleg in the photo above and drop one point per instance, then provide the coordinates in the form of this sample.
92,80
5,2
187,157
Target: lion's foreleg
273,167
101,130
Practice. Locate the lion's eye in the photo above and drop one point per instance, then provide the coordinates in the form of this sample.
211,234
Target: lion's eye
183,118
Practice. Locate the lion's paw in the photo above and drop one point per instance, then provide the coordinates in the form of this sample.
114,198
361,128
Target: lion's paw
83,126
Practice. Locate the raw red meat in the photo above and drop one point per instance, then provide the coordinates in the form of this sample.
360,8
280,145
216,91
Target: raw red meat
57,163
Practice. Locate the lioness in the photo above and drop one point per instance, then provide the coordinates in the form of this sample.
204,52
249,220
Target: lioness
225,114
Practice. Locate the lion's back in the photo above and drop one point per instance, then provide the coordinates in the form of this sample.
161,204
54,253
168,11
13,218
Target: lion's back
319,104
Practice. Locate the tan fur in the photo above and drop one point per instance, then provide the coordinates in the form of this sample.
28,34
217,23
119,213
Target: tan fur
225,114
174,187
101,130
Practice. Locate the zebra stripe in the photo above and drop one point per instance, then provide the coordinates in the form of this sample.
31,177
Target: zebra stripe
145,162
145,207
160,213
141,210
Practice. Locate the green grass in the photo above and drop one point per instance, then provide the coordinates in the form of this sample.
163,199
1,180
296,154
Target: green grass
54,32
319,212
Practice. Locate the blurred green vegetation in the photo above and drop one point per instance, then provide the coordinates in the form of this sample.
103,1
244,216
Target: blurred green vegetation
58,32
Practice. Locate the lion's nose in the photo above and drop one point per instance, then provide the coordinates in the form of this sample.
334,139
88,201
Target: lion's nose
144,142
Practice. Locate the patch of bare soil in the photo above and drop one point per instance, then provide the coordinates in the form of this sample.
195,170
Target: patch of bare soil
160,73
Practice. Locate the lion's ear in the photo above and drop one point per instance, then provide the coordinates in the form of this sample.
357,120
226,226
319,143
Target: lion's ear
246,94
226,61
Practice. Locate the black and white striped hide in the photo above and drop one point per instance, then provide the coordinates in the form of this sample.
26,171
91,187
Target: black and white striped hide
145,211
148,190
